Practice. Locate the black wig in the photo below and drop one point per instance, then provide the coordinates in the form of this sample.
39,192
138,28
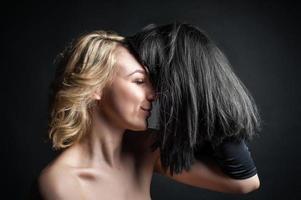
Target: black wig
201,99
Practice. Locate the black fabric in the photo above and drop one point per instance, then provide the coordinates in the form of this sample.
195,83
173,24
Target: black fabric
233,157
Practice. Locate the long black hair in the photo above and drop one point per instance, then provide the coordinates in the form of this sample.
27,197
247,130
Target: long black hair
201,99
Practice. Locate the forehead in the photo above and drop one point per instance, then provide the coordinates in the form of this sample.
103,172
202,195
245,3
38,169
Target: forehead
126,62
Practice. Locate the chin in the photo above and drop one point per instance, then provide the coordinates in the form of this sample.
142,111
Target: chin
140,127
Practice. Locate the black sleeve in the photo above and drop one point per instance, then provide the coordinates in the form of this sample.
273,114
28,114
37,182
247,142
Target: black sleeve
233,157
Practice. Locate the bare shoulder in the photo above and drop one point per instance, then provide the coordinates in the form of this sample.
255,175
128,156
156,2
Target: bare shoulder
57,182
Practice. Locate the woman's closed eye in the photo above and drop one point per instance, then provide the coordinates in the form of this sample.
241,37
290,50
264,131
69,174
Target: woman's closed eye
139,81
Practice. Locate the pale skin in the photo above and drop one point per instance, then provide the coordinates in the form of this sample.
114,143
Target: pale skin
114,163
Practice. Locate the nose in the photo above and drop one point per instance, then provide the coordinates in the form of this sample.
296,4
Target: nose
151,94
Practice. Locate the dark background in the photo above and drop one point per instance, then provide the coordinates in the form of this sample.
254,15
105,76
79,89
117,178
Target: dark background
261,40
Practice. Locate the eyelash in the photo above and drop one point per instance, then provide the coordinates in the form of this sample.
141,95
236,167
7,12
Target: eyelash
139,82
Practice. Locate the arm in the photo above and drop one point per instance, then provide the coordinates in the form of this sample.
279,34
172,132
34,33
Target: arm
234,172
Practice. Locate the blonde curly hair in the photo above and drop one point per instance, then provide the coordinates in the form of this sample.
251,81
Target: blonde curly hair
87,65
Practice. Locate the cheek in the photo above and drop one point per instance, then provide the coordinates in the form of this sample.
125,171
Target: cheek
127,99
123,103
133,97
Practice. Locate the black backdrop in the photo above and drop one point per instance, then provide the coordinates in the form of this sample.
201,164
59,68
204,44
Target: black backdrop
261,40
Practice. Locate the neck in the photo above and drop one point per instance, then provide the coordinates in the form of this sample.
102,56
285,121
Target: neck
102,145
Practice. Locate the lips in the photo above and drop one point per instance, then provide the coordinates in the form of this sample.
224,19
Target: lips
146,110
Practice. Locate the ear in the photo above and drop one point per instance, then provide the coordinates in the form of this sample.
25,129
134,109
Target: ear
96,95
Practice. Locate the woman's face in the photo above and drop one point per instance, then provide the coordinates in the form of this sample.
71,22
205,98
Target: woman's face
127,102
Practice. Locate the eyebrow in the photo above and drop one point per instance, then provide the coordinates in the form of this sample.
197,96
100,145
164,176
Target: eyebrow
136,71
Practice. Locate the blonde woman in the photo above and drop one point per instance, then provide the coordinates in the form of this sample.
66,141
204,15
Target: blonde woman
101,101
